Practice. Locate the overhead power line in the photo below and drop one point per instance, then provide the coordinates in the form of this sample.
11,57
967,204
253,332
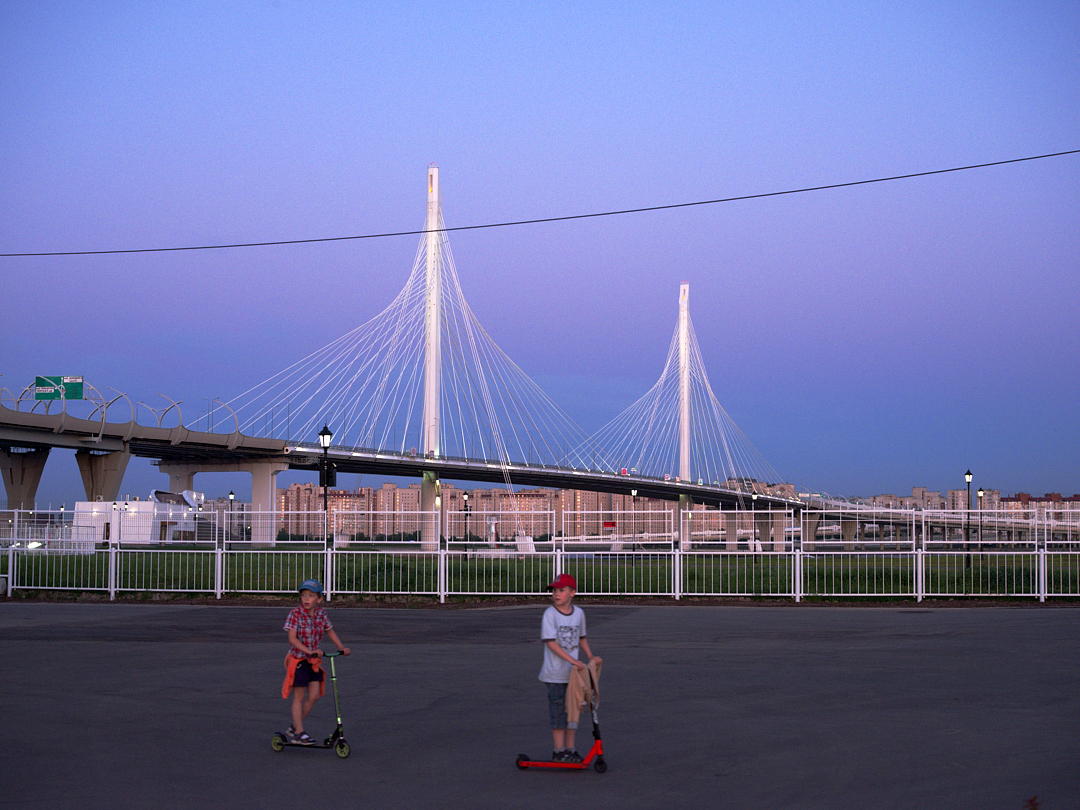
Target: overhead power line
551,219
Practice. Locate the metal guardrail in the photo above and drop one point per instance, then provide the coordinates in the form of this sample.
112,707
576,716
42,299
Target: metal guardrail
733,554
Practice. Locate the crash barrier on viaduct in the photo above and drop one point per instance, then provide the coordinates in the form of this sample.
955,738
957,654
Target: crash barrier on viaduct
865,554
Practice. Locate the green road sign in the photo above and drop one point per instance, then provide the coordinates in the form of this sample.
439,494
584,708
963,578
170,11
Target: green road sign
58,388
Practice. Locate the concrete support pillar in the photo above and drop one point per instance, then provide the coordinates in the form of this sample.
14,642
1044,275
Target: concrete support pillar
810,523
263,489
181,476
731,531
22,474
684,524
779,524
430,507
263,500
760,540
848,529
102,473
264,484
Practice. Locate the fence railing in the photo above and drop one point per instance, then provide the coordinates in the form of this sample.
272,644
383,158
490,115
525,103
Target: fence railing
823,554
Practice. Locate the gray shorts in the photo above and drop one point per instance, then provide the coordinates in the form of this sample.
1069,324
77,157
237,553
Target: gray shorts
557,706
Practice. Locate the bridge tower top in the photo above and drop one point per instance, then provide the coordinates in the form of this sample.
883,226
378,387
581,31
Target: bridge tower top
433,317
684,381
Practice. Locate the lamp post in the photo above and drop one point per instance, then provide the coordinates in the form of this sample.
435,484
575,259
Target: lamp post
228,529
753,522
467,510
633,516
324,440
967,508
980,493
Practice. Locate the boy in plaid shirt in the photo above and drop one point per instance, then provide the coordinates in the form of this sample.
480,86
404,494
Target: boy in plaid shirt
303,671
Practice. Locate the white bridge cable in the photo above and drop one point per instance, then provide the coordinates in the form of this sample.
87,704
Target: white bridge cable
646,435
367,387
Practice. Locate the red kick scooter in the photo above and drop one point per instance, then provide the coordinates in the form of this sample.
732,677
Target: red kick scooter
595,757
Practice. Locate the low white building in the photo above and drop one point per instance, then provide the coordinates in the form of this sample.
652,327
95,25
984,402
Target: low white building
166,518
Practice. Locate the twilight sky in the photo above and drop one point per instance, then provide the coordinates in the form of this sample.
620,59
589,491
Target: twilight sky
866,339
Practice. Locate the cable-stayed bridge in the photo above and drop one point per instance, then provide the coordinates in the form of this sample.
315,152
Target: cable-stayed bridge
419,390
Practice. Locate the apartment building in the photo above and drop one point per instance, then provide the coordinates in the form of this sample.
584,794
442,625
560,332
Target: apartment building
1051,501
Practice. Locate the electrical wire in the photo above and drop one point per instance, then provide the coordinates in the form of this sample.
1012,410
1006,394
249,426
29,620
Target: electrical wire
566,218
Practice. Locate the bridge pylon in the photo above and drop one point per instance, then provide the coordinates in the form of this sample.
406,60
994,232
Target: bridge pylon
429,485
685,502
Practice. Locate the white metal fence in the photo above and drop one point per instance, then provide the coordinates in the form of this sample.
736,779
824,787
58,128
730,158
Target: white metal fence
855,553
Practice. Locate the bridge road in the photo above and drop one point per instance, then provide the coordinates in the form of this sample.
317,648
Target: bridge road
120,705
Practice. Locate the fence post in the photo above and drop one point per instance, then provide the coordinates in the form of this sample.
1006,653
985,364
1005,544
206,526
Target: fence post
1040,556
219,568
328,557
796,568
441,574
676,562
112,570
920,574
12,557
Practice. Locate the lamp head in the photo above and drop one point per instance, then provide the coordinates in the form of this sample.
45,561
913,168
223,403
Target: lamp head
967,476
324,437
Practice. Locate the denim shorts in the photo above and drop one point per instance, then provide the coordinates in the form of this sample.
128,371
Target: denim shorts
304,674
557,706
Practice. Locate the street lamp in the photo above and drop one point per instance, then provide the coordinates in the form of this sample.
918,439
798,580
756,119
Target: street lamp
232,497
980,493
324,440
967,508
633,515
753,522
468,509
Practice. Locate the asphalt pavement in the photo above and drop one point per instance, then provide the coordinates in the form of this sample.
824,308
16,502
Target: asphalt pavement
775,706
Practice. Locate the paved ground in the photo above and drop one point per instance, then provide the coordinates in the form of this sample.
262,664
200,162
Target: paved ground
771,707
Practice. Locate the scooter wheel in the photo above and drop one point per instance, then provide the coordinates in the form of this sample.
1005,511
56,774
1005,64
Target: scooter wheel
521,760
341,749
277,742
599,766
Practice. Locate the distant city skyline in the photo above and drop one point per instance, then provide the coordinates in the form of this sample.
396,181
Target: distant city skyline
950,498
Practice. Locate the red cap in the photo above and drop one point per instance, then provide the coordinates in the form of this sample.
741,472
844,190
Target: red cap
564,581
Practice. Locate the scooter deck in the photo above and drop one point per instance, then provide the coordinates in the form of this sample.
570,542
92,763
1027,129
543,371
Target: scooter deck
595,758
284,740
280,741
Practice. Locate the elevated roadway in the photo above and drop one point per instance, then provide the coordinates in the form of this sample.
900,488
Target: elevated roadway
103,448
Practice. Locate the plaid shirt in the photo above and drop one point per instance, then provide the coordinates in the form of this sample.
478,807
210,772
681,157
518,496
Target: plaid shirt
309,629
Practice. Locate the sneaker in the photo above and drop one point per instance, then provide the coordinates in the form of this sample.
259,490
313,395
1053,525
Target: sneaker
571,756
301,739
557,756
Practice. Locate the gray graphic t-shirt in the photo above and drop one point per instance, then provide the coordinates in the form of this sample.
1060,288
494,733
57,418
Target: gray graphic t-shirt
568,631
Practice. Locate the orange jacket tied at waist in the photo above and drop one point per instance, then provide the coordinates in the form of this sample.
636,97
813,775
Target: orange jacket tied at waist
291,662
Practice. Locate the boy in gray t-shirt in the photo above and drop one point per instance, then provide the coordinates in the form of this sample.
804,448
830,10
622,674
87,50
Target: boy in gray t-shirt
563,631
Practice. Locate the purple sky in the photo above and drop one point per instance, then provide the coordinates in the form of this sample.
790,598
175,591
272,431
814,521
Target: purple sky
866,339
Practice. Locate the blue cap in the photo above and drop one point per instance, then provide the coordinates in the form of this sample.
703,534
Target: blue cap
312,585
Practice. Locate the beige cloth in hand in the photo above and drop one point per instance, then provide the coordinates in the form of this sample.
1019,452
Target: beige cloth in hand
579,690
